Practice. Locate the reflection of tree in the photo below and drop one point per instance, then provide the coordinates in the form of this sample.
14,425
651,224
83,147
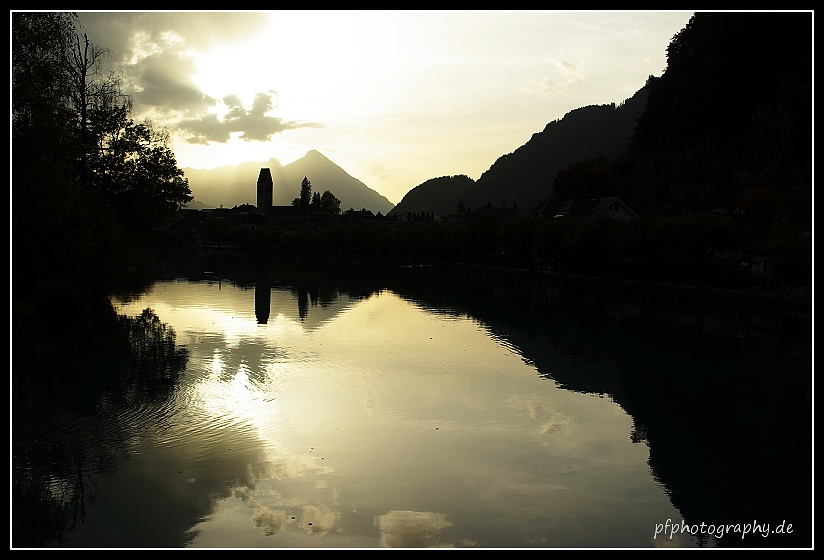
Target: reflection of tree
88,376
324,279
728,421
303,302
311,295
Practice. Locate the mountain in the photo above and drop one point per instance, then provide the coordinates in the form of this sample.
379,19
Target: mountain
236,185
325,176
730,122
727,126
441,195
228,186
526,176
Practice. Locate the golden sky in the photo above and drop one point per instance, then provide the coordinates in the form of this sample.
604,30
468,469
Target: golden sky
393,97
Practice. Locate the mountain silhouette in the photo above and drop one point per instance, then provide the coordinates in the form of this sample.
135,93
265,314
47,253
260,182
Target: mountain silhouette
730,117
728,123
236,185
524,177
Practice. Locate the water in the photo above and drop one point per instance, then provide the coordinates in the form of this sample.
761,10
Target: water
368,406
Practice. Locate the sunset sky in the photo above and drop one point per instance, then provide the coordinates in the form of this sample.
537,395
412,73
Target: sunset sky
393,97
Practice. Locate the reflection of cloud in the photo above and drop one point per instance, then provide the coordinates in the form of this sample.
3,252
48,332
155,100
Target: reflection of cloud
269,521
316,521
553,419
411,529
274,512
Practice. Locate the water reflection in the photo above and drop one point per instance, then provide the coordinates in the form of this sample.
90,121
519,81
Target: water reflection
411,529
406,407
74,410
263,301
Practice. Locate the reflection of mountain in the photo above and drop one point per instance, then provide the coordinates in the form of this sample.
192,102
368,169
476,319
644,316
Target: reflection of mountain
309,306
727,420
306,305
726,415
308,295
80,409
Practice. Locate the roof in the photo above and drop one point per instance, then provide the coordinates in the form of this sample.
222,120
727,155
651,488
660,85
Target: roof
586,208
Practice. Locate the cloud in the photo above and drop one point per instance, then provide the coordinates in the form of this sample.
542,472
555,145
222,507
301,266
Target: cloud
158,69
565,75
165,85
252,124
126,32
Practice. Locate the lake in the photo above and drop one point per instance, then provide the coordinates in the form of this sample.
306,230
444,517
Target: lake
245,402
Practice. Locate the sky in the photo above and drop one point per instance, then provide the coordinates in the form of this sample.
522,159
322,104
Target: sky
395,98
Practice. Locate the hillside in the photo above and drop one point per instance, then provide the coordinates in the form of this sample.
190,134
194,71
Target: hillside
236,185
730,120
728,125
525,176
441,195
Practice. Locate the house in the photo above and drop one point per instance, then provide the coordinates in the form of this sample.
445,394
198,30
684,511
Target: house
404,217
590,208
351,216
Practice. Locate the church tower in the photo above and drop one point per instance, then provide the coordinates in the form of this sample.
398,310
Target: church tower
264,191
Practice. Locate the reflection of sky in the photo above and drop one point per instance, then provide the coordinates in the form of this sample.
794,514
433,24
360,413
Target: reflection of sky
376,423
411,529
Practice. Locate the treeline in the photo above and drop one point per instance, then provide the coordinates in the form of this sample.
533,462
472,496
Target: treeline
90,186
700,249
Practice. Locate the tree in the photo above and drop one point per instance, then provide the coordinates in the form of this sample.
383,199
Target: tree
138,174
99,106
305,198
328,201
88,184
41,136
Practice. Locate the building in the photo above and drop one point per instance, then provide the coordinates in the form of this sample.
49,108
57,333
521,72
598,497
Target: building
265,191
590,208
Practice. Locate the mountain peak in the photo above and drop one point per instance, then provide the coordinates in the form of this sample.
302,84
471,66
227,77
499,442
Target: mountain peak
314,154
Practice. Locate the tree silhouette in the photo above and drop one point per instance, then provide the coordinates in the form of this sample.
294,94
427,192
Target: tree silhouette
305,198
330,202
89,186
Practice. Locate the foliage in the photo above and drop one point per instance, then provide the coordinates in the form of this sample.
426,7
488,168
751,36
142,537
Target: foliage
89,186
329,202
316,201
137,173
304,200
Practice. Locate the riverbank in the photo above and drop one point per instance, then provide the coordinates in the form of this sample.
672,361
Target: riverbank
790,296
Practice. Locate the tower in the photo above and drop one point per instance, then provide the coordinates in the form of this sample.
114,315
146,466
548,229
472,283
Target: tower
264,191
